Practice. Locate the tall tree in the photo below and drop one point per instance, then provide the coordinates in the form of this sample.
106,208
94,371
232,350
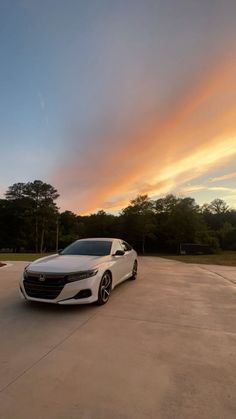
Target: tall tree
218,206
138,219
100,224
179,220
39,198
69,228
167,204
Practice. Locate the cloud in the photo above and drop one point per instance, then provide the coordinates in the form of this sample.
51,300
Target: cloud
153,152
221,188
223,177
191,189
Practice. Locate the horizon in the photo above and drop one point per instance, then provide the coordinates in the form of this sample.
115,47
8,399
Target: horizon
107,101
130,202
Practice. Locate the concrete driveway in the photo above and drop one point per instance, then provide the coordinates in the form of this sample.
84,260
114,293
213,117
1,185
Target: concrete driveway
163,347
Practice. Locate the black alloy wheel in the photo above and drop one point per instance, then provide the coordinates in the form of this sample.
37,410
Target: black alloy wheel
104,289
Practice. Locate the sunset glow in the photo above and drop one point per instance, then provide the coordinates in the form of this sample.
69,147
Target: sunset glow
121,99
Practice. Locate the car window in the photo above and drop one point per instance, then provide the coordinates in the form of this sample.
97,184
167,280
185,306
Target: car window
125,246
89,248
116,246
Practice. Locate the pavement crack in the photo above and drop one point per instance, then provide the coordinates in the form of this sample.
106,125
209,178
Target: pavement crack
216,273
46,354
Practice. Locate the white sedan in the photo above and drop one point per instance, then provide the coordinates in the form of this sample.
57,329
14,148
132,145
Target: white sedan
84,272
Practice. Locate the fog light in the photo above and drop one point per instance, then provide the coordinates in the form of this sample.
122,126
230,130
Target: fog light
83,294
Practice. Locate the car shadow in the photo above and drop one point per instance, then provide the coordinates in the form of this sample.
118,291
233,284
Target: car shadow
45,309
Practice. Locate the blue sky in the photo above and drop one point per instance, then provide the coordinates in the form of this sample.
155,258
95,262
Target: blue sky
107,99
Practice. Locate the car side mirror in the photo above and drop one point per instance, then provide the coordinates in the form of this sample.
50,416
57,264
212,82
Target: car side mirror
119,253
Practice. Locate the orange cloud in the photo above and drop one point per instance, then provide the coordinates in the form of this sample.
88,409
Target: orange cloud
194,188
223,177
156,154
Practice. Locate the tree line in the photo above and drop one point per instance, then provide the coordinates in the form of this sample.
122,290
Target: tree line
31,221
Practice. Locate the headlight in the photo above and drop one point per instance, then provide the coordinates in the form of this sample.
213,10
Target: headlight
78,276
25,271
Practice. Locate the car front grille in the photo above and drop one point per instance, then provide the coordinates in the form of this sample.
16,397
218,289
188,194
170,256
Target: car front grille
47,287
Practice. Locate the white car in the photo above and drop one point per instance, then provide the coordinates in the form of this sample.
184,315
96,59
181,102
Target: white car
84,272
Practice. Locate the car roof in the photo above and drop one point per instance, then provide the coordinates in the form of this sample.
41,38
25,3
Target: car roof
100,239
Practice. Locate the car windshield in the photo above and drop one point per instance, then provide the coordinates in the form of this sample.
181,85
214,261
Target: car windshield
89,248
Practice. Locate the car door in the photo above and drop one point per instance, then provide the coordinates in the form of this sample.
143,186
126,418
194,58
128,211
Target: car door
119,268
128,258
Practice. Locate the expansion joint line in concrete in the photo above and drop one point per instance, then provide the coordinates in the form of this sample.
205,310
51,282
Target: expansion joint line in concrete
45,355
221,276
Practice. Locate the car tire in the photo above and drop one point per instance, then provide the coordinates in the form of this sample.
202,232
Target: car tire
104,289
134,271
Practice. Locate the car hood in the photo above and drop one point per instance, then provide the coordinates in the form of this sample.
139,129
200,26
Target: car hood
66,263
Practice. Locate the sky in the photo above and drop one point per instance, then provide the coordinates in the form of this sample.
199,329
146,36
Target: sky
108,99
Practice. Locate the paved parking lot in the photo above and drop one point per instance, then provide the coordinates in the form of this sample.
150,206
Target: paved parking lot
163,347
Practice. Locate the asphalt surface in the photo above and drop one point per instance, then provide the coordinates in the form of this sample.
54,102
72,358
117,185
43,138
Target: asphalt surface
163,347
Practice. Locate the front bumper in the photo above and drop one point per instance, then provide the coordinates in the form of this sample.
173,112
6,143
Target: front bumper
71,293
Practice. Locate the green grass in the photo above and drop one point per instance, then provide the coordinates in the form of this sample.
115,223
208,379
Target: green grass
224,258
22,256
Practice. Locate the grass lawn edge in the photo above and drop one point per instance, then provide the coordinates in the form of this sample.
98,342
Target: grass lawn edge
226,258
